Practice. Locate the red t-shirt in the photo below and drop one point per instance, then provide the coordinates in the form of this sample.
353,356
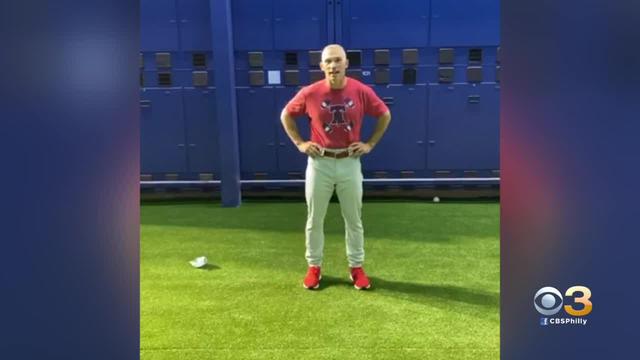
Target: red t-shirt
336,114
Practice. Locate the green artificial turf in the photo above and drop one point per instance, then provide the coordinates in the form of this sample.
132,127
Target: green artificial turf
434,271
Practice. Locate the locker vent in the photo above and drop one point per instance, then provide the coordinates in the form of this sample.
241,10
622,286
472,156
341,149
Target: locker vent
163,60
382,76
199,60
445,74
291,77
474,74
200,78
164,79
355,58
381,57
256,59
315,75
410,56
314,58
256,78
409,76
446,56
475,55
291,59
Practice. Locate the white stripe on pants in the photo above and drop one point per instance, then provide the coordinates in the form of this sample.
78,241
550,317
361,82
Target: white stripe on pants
323,175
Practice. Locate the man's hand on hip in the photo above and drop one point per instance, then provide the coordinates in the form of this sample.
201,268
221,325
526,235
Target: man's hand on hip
359,149
310,148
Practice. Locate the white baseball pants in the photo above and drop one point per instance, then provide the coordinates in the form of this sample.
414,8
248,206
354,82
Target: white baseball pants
323,175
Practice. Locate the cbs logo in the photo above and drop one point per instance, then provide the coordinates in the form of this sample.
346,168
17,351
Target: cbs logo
548,301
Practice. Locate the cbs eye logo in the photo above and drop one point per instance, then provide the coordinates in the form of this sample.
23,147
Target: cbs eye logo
548,301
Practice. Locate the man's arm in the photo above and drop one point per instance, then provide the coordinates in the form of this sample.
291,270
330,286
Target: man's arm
381,126
290,127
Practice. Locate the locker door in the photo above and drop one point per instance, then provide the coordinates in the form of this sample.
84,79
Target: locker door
202,130
463,127
382,24
257,131
300,24
289,158
252,24
158,27
195,27
162,132
465,22
403,145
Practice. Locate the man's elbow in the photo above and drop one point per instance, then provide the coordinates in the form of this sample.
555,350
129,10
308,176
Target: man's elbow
386,117
284,116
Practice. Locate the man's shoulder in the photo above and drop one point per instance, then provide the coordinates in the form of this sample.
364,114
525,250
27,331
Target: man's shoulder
357,84
316,86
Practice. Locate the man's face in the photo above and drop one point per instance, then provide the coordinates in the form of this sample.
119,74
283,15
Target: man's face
334,64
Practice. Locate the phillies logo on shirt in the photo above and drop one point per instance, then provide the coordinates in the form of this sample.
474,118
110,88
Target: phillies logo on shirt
338,117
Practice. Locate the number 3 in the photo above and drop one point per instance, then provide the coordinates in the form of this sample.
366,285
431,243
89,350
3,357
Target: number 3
584,300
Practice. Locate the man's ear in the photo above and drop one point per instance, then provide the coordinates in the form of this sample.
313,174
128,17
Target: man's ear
346,63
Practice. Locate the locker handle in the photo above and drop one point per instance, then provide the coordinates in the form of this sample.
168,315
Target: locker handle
145,103
180,145
388,100
192,145
281,144
432,142
473,99
271,144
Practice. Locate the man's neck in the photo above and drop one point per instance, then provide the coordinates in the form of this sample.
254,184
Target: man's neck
338,84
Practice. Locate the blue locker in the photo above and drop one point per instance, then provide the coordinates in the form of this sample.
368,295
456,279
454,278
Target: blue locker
300,25
374,24
158,25
252,24
289,158
162,143
463,127
202,130
257,117
195,26
403,145
465,22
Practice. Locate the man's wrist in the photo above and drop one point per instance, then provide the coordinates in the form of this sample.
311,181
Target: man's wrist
371,144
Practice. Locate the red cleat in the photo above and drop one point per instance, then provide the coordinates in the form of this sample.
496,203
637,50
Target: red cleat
312,280
359,278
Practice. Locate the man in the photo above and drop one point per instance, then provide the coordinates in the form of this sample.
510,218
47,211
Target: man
336,107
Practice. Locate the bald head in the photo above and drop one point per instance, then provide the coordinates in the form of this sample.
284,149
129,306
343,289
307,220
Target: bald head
333,50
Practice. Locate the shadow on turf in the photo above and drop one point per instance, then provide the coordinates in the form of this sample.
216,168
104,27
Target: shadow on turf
428,292
329,281
420,292
209,267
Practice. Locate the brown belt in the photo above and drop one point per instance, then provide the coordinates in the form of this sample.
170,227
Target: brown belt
336,155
